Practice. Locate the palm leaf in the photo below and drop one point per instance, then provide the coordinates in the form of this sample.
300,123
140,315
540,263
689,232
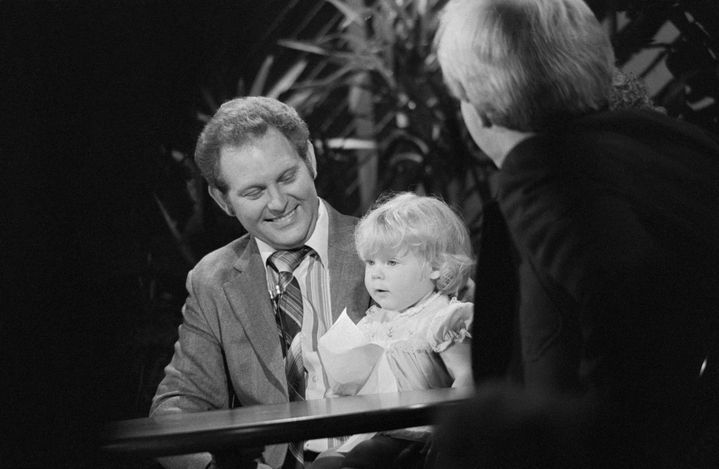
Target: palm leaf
351,15
288,79
258,84
304,46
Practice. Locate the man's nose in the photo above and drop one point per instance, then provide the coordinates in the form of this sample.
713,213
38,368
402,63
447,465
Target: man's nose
277,199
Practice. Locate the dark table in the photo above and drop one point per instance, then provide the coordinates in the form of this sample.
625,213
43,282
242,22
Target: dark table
269,424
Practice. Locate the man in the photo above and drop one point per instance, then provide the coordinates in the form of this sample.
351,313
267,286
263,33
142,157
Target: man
233,345
597,284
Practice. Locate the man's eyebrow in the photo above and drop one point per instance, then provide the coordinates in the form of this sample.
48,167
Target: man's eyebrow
257,186
288,171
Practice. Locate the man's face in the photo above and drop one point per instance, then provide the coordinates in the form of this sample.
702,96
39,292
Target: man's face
270,190
398,282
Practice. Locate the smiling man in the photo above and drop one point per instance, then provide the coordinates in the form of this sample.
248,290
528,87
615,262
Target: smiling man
258,304
270,189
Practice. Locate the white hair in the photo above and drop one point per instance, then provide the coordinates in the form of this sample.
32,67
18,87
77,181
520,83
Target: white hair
525,63
425,226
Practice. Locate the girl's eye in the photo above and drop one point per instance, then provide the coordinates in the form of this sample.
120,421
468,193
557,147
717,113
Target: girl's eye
391,262
369,262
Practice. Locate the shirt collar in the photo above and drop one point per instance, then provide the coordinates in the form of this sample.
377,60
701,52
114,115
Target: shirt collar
318,241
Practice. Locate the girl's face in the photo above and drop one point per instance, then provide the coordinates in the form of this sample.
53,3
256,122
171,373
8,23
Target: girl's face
400,281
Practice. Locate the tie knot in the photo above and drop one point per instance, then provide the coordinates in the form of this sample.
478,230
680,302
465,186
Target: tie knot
287,261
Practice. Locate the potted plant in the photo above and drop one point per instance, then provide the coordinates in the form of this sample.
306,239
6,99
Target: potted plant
377,66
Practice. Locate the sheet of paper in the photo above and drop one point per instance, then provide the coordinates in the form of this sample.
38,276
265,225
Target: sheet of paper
353,364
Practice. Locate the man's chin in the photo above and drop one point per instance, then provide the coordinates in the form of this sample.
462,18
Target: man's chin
288,239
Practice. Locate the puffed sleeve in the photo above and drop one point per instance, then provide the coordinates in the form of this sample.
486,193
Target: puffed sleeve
450,325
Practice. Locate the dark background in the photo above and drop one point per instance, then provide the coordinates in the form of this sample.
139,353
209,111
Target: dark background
92,96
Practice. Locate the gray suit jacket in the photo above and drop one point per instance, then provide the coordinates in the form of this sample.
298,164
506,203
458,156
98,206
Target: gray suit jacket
228,352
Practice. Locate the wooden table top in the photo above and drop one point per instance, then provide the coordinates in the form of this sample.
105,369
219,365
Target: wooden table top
278,423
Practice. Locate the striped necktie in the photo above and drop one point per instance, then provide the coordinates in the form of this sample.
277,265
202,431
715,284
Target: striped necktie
289,323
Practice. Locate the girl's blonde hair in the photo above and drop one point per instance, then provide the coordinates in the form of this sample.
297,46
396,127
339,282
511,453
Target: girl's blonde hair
424,226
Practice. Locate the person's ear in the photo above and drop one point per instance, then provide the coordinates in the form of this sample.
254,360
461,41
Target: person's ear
219,197
484,119
311,159
458,91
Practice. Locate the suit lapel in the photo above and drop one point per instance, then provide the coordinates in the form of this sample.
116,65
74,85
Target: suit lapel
251,305
345,266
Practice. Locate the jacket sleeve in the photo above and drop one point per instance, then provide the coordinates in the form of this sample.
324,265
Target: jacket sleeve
195,379
594,261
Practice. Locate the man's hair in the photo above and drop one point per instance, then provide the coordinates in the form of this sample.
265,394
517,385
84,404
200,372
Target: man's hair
423,225
238,122
525,64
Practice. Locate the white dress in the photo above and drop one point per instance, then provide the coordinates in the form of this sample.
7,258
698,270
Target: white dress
388,350
413,339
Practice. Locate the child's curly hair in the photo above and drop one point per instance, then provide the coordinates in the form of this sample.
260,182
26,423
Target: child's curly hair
425,226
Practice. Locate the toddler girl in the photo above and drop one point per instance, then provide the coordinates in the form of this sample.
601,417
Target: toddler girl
417,257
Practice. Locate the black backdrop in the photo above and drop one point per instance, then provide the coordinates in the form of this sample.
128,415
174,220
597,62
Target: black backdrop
89,91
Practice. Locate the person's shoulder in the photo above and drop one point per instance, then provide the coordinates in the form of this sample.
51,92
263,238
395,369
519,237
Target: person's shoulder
450,309
341,232
575,146
458,308
338,217
641,137
642,125
450,324
217,264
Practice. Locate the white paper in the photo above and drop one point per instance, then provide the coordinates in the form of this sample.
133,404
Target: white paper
353,364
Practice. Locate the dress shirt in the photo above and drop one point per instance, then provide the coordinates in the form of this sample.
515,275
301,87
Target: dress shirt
313,277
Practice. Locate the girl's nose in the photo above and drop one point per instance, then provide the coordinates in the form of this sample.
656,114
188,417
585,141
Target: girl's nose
376,272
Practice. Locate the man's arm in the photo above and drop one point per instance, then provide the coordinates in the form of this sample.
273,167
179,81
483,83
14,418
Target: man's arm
195,379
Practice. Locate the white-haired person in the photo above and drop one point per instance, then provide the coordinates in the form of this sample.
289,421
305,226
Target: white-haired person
597,277
417,256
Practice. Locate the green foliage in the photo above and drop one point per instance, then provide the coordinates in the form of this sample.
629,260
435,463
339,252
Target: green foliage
384,49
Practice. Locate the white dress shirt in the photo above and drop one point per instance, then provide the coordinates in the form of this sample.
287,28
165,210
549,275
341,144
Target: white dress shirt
313,277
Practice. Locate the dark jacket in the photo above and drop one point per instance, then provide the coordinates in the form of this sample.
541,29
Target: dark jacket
598,270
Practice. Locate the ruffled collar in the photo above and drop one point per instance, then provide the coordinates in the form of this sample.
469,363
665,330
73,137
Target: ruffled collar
411,311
